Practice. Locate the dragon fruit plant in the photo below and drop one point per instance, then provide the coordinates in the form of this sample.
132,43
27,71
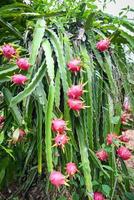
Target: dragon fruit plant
66,102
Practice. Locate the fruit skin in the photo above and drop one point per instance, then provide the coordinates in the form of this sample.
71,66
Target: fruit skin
71,168
59,126
75,92
19,79
2,119
23,64
103,45
124,153
74,65
8,51
102,155
75,104
61,140
124,138
110,138
57,179
98,196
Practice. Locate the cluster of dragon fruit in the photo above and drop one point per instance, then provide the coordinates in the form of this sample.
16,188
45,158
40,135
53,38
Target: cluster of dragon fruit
75,103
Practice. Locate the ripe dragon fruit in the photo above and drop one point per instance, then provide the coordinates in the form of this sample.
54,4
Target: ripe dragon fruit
71,168
74,65
19,79
76,104
124,137
98,196
110,138
102,155
59,126
23,64
103,45
124,153
8,51
61,140
75,92
57,179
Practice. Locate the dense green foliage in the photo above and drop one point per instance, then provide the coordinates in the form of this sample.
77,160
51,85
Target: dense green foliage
50,34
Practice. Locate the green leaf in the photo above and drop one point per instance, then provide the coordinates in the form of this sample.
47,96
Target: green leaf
5,72
129,38
106,189
11,28
14,109
36,43
49,60
1,137
2,174
48,133
85,161
57,89
60,58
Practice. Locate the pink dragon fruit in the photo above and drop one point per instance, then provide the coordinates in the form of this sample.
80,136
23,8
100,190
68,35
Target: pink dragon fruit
71,168
19,79
124,153
75,92
74,65
111,137
61,140
8,51
124,137
59,126
57,179
76,104
103,45
98,196
23,64
102,155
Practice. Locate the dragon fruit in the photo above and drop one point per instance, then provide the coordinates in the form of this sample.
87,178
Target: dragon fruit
23,64
61,140
124,137
111,137
103,45
102,155
98,196
8,51
76,104
19,79
57,179
71,168
74,65
59,126
124,153
75,92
